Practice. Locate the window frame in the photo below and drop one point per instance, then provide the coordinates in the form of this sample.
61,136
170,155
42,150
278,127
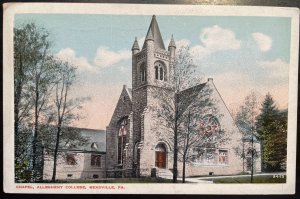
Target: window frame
95,160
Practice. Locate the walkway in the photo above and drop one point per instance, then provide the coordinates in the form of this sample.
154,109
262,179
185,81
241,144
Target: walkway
208,179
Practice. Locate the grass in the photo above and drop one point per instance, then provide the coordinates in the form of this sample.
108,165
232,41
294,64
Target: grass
118,180
246,179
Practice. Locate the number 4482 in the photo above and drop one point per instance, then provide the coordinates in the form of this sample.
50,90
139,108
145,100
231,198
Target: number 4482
278,176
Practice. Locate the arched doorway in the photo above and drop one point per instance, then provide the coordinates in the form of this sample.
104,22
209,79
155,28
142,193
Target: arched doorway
160,156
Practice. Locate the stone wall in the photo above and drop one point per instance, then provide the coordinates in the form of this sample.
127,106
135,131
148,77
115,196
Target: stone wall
123,109
81,170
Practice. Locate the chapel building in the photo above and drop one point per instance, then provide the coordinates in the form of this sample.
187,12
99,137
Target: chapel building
138,143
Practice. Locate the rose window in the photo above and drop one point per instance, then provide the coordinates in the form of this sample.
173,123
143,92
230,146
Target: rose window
209,125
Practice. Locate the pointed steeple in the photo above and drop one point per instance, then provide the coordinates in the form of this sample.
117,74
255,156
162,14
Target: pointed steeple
149,36
172,43
155,33
135,45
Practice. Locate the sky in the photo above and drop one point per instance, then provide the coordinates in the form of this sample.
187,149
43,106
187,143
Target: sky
241,54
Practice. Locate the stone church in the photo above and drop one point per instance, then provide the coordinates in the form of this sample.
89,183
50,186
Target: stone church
136,142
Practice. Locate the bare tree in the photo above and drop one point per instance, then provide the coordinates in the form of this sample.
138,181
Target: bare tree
197,102
66,108
171,109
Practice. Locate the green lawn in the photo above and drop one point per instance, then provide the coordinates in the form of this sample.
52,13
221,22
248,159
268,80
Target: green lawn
246,179
118,180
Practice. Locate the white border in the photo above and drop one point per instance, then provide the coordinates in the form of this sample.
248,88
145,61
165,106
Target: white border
10,9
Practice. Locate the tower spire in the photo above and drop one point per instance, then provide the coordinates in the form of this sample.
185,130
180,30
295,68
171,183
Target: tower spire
155,33
135,45
172,42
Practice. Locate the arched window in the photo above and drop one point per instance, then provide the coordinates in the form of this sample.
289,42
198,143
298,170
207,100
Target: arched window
70,159
156,72
96,160
160,71
122,139
143,73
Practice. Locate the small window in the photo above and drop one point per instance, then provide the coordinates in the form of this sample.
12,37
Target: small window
70,175
95,176
71,159
223,157
96,160
156,72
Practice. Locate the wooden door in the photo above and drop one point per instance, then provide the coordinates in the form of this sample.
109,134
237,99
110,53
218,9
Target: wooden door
160,159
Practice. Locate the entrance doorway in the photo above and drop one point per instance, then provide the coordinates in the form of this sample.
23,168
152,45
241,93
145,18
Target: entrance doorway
160,156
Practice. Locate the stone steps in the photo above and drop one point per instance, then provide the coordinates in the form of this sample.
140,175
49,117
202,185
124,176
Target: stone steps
164,173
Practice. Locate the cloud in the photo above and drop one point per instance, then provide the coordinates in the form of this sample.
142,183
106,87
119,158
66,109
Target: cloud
216,38
69,55
276,69
181,43
212,39
105,57
199,52
264,42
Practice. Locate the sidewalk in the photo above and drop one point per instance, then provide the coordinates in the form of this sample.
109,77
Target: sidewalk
208,179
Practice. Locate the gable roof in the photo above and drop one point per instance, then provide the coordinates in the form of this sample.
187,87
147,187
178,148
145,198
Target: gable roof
154,33
187,96
129,92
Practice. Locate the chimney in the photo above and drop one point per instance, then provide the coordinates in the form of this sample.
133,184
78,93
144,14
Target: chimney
210,79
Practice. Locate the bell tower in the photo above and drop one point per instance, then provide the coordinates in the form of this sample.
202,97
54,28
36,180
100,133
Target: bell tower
153,64
152,72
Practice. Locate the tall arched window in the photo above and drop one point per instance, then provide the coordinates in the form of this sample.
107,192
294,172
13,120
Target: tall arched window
156,72
122,139
143,73
160,71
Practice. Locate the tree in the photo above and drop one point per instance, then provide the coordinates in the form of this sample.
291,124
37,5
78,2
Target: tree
272,129
246,121
65,106
172,108
34,79
198,103
42,102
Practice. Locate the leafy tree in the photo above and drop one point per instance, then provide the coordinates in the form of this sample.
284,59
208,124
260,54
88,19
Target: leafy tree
41,101
34,79
246,121
272,129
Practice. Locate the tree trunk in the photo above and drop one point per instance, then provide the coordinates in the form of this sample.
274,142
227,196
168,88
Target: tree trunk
35,135
183,169
175,171
252,158
243,155
55,153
